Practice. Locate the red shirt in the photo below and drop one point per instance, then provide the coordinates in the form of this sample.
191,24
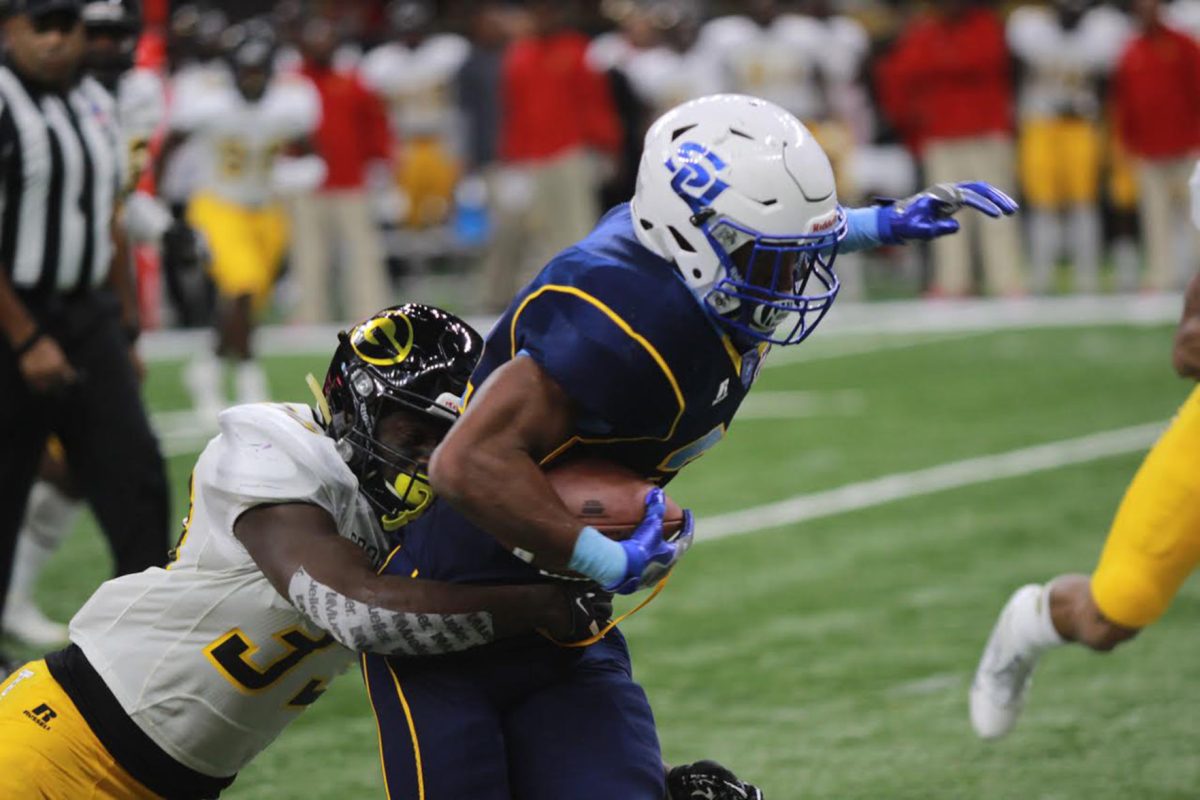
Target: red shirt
354,128
553,101
948,78
1156,94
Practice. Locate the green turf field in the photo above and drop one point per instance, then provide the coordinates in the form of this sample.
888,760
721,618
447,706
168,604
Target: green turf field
830,658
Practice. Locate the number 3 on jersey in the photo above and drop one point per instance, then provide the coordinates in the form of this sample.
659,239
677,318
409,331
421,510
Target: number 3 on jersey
231,653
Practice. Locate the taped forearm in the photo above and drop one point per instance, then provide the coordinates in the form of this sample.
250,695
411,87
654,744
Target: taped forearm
366,628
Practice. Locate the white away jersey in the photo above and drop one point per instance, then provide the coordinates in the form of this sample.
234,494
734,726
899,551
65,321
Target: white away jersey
239,140
205,656
662,77
1061,64
786,61
141,108
418,83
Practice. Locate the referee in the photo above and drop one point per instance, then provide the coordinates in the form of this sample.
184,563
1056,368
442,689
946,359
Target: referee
68,315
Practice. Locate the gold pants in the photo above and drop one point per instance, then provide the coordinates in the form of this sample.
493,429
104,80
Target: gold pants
47,750
1154,543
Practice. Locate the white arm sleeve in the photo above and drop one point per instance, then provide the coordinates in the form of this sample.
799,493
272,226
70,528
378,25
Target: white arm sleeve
369,629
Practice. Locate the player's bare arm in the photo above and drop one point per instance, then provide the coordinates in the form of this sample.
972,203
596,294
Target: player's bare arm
299,550
488,465
1186,353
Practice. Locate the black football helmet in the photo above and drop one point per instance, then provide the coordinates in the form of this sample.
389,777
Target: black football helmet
413,358
113,28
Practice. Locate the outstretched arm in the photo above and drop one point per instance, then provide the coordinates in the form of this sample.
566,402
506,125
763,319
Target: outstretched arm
330,580
926,215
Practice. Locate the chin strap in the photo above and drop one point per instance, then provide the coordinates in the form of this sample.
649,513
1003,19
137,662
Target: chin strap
319,396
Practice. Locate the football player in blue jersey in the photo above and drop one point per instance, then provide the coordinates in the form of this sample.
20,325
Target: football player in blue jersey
636,345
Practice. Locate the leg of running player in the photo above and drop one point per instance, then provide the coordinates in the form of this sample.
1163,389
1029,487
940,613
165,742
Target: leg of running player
50,514
1154,544
589,735
427,711
250,382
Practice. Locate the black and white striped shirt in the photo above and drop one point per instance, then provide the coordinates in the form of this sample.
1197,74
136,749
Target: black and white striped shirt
60,168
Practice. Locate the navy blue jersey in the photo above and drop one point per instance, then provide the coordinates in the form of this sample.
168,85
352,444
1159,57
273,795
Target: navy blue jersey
655,382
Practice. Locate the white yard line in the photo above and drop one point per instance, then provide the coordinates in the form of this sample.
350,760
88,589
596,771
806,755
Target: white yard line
953,475
799,404
846,319
840,347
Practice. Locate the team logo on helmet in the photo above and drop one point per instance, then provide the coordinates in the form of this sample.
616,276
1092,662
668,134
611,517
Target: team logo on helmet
694,168
378,341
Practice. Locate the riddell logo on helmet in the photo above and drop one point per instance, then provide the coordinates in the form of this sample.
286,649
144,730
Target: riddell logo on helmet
694,167
824,224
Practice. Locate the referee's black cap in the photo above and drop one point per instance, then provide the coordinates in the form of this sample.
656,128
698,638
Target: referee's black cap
38,8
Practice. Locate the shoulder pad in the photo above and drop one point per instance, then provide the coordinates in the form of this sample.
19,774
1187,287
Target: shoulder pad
448,50
275,451
382,69
293,105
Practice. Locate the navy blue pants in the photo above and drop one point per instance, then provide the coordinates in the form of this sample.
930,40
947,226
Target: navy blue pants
518,720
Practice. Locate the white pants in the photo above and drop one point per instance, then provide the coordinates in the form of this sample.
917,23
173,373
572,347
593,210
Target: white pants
340,220
982,158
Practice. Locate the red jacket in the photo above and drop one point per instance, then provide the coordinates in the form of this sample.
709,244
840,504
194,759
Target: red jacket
553,101
1156,94
948,79
354,128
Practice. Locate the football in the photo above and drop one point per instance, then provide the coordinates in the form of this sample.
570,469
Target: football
607,496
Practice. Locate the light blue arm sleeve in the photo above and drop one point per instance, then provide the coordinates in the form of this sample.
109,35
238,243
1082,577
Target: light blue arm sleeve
863,233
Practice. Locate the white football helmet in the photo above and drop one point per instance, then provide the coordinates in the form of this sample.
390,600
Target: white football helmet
738,194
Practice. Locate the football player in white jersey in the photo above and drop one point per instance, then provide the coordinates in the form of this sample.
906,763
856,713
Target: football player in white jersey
1065,52
415,73
253,135
176,678
676,69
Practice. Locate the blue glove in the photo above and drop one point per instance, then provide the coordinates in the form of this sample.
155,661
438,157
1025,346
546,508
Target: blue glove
930,213
649,555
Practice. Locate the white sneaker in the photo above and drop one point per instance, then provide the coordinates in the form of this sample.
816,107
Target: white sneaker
203,378
25,621
1005,671
250,382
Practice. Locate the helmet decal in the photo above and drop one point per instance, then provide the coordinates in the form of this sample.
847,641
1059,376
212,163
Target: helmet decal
692,172
412,359
376,342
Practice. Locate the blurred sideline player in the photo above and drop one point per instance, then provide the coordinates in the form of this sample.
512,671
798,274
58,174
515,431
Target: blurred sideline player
112,28
676,69
1065,53
807,63
176,678
636,345
1152,547
810,64
196,67
254,131
415,73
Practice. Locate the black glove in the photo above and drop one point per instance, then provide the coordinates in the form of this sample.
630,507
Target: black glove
185,258
708,780
591,609
183,248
